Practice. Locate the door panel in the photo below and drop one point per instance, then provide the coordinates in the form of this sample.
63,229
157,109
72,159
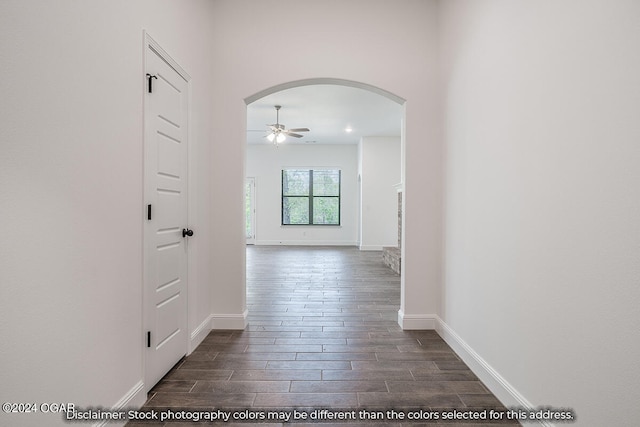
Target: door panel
166,163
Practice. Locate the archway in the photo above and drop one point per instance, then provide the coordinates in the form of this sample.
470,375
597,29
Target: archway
324,80
378,92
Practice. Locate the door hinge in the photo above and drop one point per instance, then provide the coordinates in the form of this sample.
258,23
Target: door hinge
149,77
149,212
148,339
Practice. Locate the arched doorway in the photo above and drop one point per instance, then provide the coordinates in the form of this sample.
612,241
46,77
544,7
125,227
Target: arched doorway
289,115
328,81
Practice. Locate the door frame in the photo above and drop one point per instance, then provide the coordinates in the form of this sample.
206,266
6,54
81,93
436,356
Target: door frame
252,181
150,43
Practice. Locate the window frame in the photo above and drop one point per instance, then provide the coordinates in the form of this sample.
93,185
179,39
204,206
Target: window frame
310,196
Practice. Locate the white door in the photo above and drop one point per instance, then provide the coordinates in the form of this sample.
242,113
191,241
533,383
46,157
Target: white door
250,210
166,228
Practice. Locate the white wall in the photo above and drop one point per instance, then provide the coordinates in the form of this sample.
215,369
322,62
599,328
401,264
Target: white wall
265,163
71,174
542,101
344,45
71,200
539,101
379,162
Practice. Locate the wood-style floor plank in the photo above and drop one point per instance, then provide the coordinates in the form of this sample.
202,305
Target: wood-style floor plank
322,335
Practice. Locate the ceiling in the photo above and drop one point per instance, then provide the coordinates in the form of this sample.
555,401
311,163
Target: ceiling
327,110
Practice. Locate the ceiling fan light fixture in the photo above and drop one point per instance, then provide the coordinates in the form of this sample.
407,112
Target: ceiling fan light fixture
278,132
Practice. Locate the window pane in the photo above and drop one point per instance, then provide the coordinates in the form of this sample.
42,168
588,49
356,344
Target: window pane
295,210
295,182
326,210
326,183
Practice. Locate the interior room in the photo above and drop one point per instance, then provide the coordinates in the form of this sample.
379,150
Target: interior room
352,129
518,165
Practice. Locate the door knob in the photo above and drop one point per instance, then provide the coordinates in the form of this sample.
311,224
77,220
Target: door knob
186,232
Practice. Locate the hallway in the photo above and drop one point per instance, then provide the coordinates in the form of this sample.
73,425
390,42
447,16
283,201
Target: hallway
323,334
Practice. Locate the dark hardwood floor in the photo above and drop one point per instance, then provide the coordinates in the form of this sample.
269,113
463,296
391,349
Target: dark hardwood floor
323,335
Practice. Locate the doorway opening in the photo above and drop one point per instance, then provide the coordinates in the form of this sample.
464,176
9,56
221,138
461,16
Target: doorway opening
317,105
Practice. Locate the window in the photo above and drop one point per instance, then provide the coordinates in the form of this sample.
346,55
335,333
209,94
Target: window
310,197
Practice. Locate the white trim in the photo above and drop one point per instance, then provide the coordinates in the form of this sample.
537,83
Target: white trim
199,334
372,247
417,321
251,180
304,242
496,383
134,398
229,321
155,46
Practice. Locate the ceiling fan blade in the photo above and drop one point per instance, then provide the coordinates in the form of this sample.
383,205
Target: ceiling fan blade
295,135
298,130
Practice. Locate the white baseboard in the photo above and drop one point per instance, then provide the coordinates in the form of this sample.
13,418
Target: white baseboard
200,333
304,243
371,247
229,321
412,322
134,399
496,383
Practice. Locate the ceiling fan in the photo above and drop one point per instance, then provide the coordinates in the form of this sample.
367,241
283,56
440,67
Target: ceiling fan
278,132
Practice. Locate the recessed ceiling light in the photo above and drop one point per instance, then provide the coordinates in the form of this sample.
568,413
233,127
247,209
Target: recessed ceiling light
348,129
